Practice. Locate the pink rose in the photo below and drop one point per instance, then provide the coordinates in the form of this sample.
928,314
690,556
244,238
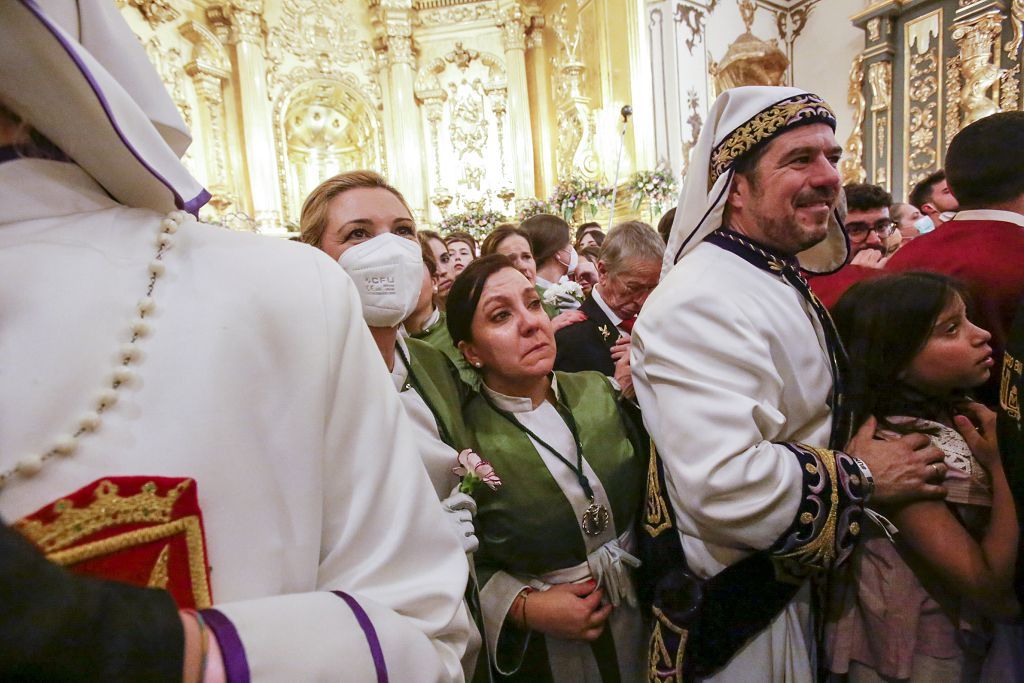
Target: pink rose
473,469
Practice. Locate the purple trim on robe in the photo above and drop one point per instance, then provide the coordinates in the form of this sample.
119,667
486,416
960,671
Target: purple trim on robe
371,635
192,205
236,666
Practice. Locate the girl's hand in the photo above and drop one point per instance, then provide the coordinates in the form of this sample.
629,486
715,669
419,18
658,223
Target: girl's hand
566,318
571,611
982,439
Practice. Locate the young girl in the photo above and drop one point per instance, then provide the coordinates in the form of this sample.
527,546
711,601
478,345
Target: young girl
916,607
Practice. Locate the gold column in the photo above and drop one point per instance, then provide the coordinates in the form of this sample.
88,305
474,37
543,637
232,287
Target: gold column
541,115
393,19
245,18
513,33
209,70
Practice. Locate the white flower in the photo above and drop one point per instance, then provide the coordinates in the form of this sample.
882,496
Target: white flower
473,469
564,290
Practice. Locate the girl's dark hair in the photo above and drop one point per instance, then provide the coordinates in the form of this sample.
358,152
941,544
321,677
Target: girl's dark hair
548,235
884,323
499,235
464,296
428,253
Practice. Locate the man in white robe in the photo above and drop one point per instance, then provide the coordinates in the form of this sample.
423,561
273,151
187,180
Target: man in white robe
737,370
136,345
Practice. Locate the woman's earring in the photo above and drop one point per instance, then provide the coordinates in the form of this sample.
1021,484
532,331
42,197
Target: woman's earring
478,364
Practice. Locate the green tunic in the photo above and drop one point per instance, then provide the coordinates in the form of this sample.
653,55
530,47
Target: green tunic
528,528
437,336
436,380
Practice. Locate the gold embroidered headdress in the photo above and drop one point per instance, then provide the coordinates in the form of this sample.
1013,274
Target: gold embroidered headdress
740,120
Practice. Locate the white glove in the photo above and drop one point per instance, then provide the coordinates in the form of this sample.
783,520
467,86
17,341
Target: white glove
461,509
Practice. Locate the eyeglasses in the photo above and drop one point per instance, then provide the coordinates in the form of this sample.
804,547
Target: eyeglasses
859,231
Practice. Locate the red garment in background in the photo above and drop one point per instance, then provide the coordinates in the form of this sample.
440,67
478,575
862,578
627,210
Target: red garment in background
985,251
828,288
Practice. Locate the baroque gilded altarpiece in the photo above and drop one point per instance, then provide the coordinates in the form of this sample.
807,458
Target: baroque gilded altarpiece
462,105
929,68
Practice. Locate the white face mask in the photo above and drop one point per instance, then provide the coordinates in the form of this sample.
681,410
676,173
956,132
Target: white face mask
924,224
388,273
574,260
947,216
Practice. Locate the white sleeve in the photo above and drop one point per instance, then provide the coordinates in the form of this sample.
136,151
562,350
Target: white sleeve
384,542
710,398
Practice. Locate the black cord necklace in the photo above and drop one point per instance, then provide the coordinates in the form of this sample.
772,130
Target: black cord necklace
596,517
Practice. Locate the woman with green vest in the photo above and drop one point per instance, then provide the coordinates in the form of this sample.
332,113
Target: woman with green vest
554,564
427,323
366,225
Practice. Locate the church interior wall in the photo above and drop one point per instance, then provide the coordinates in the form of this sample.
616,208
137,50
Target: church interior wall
483,105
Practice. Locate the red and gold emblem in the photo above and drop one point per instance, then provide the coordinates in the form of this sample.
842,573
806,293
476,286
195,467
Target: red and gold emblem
146,531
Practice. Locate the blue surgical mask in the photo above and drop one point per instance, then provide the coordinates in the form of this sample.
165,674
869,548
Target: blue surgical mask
924,225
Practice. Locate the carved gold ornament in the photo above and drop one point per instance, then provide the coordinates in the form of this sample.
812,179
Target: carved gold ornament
750,60
977,42
922,104
852,165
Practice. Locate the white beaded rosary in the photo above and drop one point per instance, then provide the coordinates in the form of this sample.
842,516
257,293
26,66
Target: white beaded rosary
123,373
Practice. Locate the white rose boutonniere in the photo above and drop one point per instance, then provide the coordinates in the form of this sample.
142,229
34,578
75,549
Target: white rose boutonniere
565,294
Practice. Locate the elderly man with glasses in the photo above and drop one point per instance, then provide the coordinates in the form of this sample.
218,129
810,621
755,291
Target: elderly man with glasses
873,238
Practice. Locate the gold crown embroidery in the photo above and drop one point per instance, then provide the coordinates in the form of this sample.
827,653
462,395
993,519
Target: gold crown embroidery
107,510
764,125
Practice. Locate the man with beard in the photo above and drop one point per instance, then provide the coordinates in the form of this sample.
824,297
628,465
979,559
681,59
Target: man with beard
934,197
870,227
757,490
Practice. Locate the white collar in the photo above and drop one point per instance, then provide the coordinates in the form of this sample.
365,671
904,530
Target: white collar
515,404
542,283
434,317
990,215
400,373
616,320
40,188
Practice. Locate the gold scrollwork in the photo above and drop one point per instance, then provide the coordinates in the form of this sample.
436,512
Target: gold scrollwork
693,18
155,12
575,152
852,166
1016,20
318,31
923,50
695,123
880,79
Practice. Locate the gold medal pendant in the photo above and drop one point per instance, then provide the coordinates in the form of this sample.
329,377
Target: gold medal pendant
595,519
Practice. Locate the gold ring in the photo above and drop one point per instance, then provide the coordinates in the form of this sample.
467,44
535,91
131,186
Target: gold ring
936,468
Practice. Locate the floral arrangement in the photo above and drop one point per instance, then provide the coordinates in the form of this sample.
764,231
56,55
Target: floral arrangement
533,206
479,224
658,186
575,192
564,294
474,471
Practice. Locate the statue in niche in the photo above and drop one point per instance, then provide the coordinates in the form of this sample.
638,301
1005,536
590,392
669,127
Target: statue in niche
467,124
980,74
